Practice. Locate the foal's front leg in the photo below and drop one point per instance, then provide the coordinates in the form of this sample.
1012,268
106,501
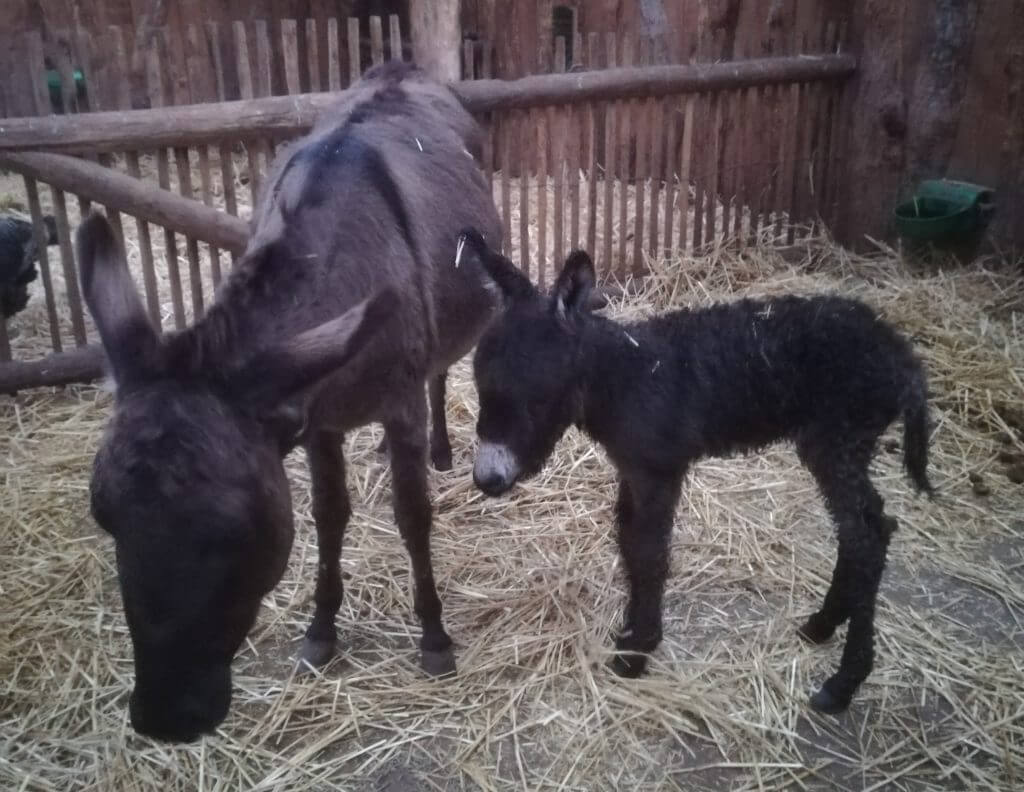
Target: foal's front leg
407,444
331,512
644,515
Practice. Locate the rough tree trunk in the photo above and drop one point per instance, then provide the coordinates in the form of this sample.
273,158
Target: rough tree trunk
436,37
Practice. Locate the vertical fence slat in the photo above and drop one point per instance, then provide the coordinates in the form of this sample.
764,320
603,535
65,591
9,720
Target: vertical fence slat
643,124
62,62
38,226
713,193
556,125
656,164
216,50
242,64
198,67
793,165
207,193
195,275
290,53
577,117
468,72
376,41
540,125
263,78
593,44
624,114
333,56
149,281
673,120
355,67
313,55
506,128
155,80
264,67
395,37
522,127
171,246
37,72
248,89
684,171
67,261
607,266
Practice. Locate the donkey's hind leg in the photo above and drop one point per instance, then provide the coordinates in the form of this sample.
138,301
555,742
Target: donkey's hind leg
331,512
440,447
864,530
407,438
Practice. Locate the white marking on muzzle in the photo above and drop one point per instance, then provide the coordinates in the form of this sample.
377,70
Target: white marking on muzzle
495,461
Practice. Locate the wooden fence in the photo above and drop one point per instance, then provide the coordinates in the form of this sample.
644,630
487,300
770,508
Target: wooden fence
630,162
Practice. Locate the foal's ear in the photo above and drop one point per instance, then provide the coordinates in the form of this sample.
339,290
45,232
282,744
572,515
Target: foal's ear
129,340
274,375
509,279
571,293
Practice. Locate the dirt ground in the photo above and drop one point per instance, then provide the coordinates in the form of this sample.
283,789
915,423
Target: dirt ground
532,588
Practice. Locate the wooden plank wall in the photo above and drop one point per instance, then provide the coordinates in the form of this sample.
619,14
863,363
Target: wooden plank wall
630,180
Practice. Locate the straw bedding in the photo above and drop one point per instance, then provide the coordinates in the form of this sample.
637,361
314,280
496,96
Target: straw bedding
532,586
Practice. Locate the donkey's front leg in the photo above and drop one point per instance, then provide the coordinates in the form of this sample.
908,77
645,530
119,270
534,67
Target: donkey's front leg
331,511
644,514
407,442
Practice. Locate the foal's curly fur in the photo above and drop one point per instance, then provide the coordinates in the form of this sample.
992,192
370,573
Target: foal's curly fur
823,372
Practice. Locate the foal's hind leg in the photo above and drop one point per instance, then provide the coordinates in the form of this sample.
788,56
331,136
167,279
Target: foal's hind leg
407,439
440,447
331,512
864,530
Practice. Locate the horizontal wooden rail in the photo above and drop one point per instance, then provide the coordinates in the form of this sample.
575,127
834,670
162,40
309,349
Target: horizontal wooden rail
132,196
189,125
84,364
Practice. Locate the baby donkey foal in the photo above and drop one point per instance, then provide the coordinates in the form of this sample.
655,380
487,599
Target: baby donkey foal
823,372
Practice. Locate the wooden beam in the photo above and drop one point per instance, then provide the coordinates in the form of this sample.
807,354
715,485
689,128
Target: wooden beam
84,364
132,196
191,125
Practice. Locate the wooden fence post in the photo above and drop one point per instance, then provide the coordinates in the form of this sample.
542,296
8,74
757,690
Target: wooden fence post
436,37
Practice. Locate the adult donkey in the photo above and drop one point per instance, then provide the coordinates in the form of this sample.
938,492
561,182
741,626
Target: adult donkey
359,221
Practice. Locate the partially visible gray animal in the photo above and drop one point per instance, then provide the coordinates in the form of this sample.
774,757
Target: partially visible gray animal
345,304
18,254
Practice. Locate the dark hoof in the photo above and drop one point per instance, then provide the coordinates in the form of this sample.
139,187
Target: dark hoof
815,633
438,663
442,459
317,653
825,702
628,664
382,447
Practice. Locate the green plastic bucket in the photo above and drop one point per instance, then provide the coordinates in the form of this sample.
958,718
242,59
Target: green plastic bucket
945,211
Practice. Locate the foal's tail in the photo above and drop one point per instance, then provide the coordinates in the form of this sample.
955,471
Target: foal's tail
915,431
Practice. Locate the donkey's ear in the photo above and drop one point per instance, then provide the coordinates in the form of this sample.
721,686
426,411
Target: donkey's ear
271,377
572,290
129,340
512,283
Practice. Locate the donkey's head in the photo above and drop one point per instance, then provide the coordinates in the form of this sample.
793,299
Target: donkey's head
189,482
526,367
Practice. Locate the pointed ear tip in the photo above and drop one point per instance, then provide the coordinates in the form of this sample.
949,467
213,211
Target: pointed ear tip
94,231
579,259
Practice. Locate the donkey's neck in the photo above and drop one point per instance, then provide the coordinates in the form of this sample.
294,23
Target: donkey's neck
252,308
612,362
